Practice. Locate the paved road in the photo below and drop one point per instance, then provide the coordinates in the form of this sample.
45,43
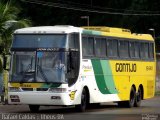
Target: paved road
150,110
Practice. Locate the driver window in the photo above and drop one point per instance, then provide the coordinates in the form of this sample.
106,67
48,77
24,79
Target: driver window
74,68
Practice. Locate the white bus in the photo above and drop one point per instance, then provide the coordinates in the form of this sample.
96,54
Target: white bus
66,65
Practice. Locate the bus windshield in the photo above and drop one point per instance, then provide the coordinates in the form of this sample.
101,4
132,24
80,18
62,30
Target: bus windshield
39,67
39,41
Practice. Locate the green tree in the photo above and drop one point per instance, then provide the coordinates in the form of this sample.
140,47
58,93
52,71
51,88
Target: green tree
8,23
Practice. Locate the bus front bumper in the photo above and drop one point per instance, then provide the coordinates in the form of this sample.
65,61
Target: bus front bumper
37,98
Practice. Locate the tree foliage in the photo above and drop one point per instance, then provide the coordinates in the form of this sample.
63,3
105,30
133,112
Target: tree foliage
8,23
49,15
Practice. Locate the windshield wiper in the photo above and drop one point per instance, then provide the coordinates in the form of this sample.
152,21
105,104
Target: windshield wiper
42,73
28,71
27,76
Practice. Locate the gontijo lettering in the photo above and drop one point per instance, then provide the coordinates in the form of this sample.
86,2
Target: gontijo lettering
126,67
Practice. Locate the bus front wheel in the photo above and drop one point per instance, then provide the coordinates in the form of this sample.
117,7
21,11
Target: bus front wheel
83,105
34,108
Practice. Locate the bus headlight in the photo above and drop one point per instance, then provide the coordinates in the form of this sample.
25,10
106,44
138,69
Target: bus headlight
14,89
58,90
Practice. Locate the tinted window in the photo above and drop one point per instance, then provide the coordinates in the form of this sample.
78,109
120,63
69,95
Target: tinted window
74,40
40,41
144,50
100,47
151,50
84,45
112,48
132,49
137,50
88,46
123,49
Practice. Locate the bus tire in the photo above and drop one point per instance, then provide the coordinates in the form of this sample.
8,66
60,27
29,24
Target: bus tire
131,101
34,108
138,98
82,107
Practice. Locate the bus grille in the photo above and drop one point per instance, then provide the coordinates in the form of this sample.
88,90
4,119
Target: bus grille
27,89
42,89
34,89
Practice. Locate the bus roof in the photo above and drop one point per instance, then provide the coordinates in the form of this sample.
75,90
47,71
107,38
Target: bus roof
48,29
94,30
115,32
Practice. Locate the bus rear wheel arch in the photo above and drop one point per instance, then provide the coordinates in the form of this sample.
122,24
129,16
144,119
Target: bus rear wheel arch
129,103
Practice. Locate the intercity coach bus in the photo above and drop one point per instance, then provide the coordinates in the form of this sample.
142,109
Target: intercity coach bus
73,66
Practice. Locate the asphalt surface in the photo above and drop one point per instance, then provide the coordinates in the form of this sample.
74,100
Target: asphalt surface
149,110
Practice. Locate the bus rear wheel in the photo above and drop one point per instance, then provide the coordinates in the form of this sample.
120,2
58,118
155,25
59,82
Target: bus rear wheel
130,103
138,98
34,108
82,107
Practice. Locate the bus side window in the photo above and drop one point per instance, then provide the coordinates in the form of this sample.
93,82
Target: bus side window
123,49
73,67
151,51
88,46
137,50
144,50
74,40
112,48
84,46
100,47
132,49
